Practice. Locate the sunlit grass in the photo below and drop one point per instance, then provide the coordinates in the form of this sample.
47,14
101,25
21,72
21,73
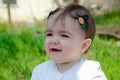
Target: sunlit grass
111,19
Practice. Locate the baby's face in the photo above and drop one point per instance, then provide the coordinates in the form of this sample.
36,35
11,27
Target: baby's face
63,42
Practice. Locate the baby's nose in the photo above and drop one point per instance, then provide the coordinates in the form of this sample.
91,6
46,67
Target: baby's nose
54,41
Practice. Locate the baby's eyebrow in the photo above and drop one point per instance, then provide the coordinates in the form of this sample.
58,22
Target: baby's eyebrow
66,32
48,30
63,31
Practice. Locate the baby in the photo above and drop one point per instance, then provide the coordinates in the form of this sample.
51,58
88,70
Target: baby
69,34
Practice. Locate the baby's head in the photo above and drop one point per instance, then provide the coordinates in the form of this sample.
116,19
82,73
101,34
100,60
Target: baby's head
70,30
77,15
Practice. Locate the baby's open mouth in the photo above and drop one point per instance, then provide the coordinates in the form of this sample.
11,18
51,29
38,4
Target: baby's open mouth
55,50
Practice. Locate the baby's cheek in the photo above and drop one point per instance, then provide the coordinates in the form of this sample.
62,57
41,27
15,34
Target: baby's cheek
67,48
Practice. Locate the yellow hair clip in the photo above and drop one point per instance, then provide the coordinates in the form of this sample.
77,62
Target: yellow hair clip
81,20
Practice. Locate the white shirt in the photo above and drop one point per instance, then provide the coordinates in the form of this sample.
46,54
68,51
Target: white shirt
83,70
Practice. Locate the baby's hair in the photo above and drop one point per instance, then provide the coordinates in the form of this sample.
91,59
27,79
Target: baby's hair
80,14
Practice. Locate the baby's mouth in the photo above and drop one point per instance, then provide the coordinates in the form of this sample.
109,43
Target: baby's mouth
55,50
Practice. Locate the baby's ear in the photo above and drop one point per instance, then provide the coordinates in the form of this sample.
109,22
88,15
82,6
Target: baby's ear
85,45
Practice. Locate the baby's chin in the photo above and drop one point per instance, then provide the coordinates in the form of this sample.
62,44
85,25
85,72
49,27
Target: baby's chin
59,61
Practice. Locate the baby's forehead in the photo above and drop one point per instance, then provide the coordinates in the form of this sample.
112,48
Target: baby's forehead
66,23
62,21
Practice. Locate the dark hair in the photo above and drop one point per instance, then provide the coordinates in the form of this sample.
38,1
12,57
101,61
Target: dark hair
75,12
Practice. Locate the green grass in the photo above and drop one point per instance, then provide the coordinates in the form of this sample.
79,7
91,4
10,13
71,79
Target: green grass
22,48
111,19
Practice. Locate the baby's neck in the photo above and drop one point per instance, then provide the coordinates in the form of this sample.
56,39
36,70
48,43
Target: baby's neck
63,67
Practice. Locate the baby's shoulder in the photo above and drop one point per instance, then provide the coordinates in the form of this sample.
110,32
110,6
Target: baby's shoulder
90,69
40,71
89,64
44,65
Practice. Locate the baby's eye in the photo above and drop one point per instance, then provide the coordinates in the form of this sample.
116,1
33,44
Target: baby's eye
49,34
66,36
